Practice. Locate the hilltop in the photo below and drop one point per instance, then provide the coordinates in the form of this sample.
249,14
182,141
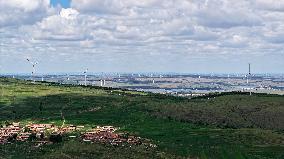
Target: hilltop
214,126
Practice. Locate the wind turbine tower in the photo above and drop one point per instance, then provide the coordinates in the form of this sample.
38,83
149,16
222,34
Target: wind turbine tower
248,76
249,68
33,72
85,73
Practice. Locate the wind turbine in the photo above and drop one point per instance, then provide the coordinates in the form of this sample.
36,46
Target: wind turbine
85,72
102,77
118,76
248,76
33,64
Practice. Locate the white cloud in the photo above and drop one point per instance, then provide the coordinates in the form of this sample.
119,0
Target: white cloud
272,5
106,6
226,14
18,12
133,29
63,26
274,33
69,13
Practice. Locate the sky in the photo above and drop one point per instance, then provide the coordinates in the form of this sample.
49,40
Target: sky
186,36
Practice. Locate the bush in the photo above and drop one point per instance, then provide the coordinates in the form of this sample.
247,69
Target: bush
55,138
32,137
12,138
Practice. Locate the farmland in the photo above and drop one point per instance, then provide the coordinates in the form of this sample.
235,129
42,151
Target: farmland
228,125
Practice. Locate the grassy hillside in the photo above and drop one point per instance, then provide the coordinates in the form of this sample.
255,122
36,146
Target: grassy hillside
224,126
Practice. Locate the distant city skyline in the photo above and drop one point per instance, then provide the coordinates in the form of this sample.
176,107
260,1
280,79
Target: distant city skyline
182,36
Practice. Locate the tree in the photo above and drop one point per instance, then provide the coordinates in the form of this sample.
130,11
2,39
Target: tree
32,137
7,123
40,107
41,135
55,138
12,138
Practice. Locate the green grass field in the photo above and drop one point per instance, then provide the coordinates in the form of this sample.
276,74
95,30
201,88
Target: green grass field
231,125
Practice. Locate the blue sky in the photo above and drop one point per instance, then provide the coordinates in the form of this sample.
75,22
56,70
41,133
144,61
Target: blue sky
63,3
142,36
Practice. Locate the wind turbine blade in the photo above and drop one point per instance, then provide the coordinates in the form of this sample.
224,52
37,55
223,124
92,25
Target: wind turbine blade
30,61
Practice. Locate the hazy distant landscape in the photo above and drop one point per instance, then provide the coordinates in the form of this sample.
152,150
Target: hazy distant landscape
172,83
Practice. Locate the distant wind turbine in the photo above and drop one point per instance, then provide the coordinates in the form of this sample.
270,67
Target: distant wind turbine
34,70
248,77
248,74
85,72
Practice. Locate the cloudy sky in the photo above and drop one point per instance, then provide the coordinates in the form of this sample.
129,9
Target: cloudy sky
142,36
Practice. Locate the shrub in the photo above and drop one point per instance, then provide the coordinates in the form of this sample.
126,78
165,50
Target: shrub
55,138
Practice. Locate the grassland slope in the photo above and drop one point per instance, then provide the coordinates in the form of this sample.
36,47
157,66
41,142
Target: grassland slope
225,126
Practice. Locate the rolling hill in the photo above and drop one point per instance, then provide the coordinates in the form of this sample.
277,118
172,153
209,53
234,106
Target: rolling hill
227,125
